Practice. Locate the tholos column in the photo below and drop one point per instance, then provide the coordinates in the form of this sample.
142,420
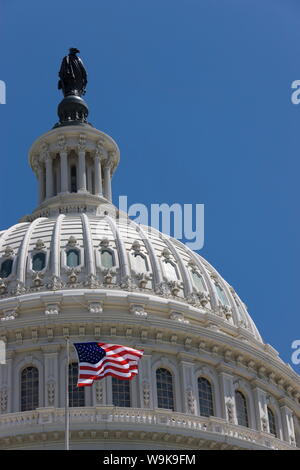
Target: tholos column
98,176
64,172
107,182
49,177
41,171
81,171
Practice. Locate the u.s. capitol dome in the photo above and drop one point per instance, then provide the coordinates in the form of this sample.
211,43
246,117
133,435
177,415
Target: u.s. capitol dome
77,267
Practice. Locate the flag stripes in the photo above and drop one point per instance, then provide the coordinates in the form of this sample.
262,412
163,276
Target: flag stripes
98,360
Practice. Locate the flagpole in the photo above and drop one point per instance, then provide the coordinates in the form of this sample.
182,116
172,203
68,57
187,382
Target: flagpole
67,417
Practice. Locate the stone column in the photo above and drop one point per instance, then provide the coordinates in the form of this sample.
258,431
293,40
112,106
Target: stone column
146,387
64,181
81,177
227,391
51,376
89,180
41,173
288,425
188,387
261,413
81,173
49,176
107,182
98,175
6,385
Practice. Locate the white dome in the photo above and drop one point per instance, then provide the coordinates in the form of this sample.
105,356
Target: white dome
137,259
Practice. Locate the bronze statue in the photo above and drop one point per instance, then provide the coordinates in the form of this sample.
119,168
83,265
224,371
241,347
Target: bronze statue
72,74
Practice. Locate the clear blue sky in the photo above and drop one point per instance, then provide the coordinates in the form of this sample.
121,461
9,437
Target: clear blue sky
197,95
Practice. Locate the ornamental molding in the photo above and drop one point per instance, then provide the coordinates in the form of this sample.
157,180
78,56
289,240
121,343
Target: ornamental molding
72,242
51,389
190,401
214,348
95,307
99,392
9,253
52,309
62,143
82,144
177,316
3,399
146,394
40,245
138,310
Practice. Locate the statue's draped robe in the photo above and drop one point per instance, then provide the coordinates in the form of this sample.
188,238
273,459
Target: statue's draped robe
73,77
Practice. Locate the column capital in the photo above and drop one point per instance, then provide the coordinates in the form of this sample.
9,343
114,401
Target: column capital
107,164
61,143
81,143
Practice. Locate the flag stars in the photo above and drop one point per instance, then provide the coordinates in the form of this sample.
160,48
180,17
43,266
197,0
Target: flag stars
89,352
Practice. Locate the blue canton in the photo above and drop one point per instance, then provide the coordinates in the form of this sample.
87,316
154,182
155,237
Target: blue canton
89,352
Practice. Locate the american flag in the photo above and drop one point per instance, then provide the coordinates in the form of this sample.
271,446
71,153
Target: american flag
97,360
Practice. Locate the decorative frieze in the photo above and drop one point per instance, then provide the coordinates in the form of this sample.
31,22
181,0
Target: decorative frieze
138,310
51,387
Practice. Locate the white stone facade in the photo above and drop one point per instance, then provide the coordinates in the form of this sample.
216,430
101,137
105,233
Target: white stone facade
157,295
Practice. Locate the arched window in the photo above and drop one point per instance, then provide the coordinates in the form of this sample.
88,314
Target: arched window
272,422
120,392
73,179
140,262
198,281
164,384
171,270
76,394
38,261
107,259
221,294
205,397
241,409
29,389
73,258
6,268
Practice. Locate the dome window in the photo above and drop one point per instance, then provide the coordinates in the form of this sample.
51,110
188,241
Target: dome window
139,259
6,268
164,384
241,409
205,397
169,266
29,389
171,270
272,422
140,262
76,394
73,258
221,294
107,258
38,261
120,392
198,281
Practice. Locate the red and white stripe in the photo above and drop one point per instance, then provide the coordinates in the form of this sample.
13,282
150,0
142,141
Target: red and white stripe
120,361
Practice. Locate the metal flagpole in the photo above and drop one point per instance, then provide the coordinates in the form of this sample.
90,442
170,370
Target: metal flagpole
67,417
